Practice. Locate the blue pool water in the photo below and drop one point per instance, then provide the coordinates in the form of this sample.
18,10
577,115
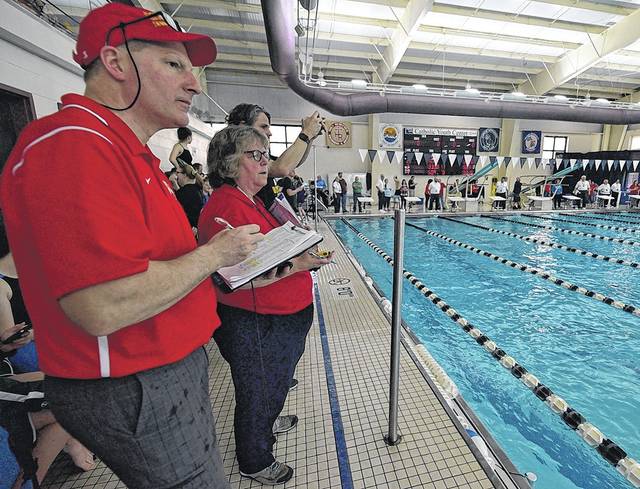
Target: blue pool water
582,349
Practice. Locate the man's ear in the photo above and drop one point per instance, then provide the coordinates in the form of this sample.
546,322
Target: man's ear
114,62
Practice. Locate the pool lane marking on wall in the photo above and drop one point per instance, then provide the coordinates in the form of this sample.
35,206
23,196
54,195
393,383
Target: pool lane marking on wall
590,434
344,467
560,246
631,309
601,226
566,231
599,218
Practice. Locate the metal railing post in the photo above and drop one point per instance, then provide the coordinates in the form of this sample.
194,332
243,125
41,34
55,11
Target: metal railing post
315,191
393,438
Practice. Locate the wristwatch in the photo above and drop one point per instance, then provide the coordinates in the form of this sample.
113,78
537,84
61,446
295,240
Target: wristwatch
303,137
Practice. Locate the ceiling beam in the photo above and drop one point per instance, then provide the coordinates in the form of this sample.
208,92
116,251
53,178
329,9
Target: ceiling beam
517,19
580,4
401,38
617,37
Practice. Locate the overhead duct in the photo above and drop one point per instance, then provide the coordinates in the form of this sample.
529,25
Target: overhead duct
279,24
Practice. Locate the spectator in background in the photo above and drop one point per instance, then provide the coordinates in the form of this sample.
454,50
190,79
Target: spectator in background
441,194
412,186
615,193
581,190
291,188
593,192
634,188
380,189
427,193
356,186
388,193
190,196
255,116
337,194
556,193
605,190
173,178
434,194
404,193
118,291
323,192
517,190
180,154
343,192
502,189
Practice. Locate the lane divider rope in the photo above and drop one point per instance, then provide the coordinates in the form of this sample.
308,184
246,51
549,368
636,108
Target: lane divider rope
609,450
598,218
567,231
631,309
601,226
551,244
631,214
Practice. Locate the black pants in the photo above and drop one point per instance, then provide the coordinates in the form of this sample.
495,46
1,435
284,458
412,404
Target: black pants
614,201
356,201
557,201
336,202
436,199
584,195
262,351
380,200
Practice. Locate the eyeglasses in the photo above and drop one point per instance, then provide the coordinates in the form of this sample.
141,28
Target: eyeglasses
257,155
170,21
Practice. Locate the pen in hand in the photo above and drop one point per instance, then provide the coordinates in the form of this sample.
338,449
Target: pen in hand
223,222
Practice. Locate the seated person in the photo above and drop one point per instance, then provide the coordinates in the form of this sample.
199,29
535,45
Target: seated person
19,419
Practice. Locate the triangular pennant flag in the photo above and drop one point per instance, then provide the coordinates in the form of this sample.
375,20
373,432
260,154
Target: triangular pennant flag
572,162
372,154
598,164
391,155
436,157
537,161
610,163
363,154
558,162
545,162
467,159
584,164
399,156
499,160
411,156
635,164
530,162
482,161
452,159
520,161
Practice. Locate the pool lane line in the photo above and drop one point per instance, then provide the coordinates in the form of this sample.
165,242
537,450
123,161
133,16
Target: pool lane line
346,480
631,309
601,226
599,218
566,231
551,244
592,436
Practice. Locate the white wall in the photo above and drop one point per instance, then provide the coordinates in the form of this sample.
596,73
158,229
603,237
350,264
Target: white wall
36,58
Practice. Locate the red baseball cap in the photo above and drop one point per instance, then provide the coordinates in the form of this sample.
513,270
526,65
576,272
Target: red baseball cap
95,27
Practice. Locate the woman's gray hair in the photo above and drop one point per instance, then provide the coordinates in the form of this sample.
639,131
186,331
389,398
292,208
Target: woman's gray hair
225,150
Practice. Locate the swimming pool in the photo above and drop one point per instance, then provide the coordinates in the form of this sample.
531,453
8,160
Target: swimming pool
585,350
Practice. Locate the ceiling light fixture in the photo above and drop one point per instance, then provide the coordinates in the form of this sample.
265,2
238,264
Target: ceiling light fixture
419,87
358,83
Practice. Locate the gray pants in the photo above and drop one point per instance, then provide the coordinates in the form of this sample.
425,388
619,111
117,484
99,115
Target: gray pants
154,429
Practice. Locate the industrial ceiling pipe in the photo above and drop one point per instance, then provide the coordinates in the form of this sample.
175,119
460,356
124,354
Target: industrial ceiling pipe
279,25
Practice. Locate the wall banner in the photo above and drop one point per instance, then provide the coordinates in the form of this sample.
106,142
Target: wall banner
488,140
390,136
531,142
338,134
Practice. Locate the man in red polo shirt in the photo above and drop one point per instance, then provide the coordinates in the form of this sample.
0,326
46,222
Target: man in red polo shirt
116,287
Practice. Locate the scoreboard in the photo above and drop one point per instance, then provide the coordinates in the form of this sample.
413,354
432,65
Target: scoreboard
434,142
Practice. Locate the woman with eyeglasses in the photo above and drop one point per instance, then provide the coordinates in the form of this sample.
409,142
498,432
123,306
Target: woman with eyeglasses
264,323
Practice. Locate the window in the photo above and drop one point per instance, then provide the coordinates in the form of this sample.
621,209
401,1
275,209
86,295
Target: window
282,137
635,143
552,145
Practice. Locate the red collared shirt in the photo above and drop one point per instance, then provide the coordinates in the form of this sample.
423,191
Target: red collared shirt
85,203
286,296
